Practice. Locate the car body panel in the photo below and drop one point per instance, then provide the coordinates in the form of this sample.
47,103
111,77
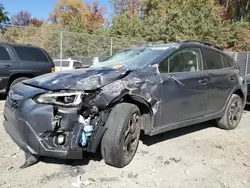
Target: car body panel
247,78
187,93
82,79
221,84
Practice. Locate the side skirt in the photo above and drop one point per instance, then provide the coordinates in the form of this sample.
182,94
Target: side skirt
165,128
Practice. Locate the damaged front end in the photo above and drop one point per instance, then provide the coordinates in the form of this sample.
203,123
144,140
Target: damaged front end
76,121
59,124
70,118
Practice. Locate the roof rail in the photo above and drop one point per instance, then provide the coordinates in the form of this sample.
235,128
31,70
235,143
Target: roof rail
200,42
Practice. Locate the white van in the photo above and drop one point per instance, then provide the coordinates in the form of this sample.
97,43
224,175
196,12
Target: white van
67,64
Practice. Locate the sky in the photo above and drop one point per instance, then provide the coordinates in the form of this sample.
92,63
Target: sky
41,8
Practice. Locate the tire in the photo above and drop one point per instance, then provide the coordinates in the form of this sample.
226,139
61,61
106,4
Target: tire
16,81
233,113
123,124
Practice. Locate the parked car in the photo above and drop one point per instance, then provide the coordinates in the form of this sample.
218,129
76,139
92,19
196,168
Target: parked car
247,78
21,62
67,64
157,89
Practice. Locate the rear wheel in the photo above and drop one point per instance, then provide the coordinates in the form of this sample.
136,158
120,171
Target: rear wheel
14,82
233,113
120,141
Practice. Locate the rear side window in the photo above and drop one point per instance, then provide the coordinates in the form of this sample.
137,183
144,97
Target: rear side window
4,55
31,54
77,64
64,63
213,60
228,61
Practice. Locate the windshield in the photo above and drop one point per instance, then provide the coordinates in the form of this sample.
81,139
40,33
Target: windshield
133,58
64,63
125,55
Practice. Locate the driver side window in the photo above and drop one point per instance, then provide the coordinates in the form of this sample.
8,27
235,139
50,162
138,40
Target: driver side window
185,60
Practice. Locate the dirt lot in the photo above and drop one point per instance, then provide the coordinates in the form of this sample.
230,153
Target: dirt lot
198,156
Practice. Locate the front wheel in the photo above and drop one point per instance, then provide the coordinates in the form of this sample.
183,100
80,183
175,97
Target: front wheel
120,141
233,113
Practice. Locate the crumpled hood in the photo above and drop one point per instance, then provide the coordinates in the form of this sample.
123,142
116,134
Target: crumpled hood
82,79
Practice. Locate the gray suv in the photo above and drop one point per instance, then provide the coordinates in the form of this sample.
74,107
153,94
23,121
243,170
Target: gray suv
152,89
20,62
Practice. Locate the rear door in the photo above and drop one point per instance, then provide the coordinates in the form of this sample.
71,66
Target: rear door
7,63
34,60
222,79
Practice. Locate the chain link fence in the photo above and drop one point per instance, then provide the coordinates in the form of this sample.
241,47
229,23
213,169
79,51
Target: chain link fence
64,44
83,47
243,59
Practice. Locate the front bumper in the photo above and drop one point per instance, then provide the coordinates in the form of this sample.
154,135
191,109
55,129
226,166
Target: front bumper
25,137
30,126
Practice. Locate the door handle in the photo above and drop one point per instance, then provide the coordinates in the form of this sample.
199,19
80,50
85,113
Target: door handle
7,66
203,81
231,78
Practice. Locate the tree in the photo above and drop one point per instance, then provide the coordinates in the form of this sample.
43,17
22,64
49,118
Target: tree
4,19
36,22
78,16
123,6
94,16
66,10
127,25
191,19
22,18
237,9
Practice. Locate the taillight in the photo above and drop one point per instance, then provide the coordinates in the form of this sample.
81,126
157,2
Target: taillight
53,69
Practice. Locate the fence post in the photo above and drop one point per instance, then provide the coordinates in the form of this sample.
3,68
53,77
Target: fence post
61,52
111,46
247,61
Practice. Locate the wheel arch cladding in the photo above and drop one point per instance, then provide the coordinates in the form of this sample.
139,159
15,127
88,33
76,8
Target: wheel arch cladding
239,92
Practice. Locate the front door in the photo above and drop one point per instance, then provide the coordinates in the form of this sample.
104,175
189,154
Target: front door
184,86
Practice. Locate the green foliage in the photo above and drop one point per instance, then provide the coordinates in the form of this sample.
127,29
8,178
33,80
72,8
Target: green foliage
173,21
3,15
127,25
4,19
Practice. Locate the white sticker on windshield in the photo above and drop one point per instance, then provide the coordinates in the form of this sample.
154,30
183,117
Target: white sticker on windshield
160,48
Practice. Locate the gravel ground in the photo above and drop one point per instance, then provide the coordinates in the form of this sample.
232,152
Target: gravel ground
199,156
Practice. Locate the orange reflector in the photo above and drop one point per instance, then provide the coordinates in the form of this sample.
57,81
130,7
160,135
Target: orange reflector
117,66
53,69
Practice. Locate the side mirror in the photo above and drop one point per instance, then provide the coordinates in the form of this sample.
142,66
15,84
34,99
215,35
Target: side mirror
154,68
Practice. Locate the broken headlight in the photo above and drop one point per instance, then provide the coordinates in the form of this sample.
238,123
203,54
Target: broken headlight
64,98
